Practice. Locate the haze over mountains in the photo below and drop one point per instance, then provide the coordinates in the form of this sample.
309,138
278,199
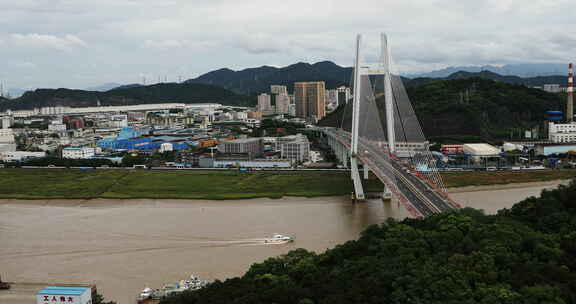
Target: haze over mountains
522,70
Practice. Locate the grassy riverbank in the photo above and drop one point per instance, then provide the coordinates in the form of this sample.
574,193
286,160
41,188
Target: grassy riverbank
463,179
62,183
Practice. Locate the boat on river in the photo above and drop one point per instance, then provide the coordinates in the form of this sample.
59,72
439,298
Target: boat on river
149,295
279,239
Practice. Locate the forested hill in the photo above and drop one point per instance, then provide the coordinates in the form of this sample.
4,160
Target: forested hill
158,93
258,80
523,255
474,107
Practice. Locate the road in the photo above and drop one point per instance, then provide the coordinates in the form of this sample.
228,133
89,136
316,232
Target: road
417,194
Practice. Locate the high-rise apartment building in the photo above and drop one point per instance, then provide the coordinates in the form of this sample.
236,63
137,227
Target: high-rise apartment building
332,99
343,95
265,104
282,104
278,89
310,100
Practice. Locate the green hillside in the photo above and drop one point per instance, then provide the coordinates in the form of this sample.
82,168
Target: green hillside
523,255
158,93
473,108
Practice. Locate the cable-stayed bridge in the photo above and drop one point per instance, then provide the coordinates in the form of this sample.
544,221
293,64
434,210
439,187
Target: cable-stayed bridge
380,130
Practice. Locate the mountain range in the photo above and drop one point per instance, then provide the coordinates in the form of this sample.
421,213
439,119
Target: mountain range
258,80
157,93
522,70
233,87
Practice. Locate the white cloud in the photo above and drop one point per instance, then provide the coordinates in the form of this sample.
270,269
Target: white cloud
163,44
174,44
25,65
66,42
183,37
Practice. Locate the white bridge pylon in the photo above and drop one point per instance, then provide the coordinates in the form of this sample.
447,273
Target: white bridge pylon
364,70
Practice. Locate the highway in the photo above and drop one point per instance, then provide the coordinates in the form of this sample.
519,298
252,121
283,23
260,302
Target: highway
417,194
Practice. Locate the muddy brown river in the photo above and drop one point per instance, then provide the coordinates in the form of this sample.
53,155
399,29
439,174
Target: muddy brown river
123,246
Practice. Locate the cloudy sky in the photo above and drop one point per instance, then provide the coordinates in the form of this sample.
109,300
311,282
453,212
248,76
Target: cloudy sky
83,43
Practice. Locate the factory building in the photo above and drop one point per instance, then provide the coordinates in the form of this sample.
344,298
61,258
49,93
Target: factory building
256,163
78,152
251,146
563,132
549,149
295,148
478,151
7,140
20,155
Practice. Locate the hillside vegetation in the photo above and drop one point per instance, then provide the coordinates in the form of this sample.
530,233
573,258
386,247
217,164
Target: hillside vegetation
477,108
523,255
131,95
258,80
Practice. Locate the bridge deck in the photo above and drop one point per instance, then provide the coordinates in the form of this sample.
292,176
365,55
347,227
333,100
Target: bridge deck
419,196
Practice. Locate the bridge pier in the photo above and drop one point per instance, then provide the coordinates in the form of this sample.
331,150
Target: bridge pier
366,172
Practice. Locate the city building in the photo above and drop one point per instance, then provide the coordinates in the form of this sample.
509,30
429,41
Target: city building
7,140
549,149
332,99
481,150
56,126
20,155
254,115
452,149
240,115
562,132
282,104
251,146
5,122
118,121
343,95
295,148
166,147
278,89
310,100
78,152
265,104
256,163
73,123
552,88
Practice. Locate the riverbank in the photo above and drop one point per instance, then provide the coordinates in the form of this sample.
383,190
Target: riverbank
49,184
497,187
134,184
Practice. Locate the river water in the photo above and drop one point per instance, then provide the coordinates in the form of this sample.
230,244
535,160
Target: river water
123,246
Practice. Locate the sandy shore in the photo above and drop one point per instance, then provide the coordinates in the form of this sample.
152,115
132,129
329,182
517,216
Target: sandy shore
508,186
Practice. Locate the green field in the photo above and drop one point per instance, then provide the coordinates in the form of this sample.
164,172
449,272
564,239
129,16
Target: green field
63,183
68,183
462,179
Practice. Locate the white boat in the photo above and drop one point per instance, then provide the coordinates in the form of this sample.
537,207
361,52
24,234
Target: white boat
279,239
146,293
194,283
